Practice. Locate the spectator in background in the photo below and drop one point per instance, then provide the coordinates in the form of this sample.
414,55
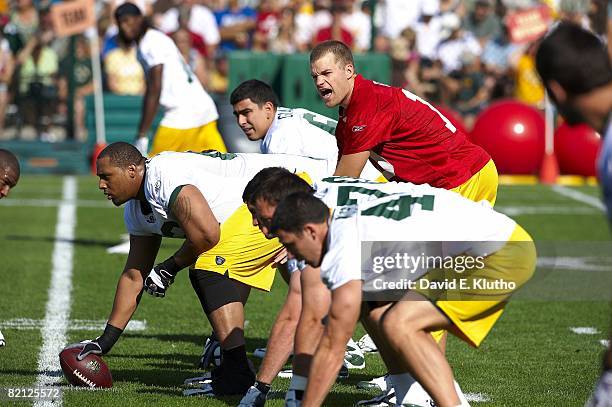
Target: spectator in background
455,44
219,76
428,30
397,15
453,6
24,21
482,22
124,75
268,20
359,24
529,88
282,39
199,20
335,31
468,89
306,25
196,62
499,57
37,90
81,74
7,67
405,60
236,25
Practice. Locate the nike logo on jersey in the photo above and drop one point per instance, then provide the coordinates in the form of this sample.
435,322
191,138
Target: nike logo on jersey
359,128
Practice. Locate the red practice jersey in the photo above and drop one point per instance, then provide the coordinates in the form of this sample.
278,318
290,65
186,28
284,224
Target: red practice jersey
419,143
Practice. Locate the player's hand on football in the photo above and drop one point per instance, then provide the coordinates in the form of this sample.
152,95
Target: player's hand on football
158,281
87,347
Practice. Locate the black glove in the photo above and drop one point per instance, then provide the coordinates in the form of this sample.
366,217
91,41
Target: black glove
158,281
99,346
160,278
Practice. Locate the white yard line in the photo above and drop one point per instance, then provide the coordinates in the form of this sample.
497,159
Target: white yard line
38,203
545,210
59,296
579,196
22,324
584,330
477,397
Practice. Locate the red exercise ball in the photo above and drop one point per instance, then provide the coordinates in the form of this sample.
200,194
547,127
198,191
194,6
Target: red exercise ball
576,148
513,134
453,117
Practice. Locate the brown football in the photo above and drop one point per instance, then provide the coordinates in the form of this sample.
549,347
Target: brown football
90,372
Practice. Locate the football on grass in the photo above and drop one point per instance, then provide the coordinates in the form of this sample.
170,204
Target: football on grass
90,372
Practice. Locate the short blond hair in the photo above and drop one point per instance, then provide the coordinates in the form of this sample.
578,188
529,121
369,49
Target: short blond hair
338,49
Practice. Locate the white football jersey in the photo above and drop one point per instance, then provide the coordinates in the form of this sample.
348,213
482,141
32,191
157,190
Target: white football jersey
185,102
302,132
402,212
220,177
309,134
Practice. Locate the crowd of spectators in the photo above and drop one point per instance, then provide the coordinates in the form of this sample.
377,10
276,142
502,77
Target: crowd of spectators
458,53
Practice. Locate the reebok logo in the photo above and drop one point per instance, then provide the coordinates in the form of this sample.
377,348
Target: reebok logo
359,128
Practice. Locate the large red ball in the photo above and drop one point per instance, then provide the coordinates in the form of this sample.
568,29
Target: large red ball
576,148
513,134
90,372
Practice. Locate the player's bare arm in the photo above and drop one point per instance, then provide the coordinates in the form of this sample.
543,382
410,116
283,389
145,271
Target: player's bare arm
143,250
351,165
315,306
343,315
150,103
141,258
202,230
196,219
280,342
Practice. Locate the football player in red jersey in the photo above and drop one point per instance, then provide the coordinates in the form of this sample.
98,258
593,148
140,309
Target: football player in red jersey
403,135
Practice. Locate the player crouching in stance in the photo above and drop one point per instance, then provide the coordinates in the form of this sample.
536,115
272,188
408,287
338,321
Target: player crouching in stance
9,176
333,242
196,197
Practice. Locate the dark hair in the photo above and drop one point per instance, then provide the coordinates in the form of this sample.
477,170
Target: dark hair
296,210
127,9
122,154
259,92
255,183
130,9
9,160
340,50
573,57
278,186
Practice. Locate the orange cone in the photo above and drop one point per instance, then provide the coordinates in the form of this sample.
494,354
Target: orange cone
549,171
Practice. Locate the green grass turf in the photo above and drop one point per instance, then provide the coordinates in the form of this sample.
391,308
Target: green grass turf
530,358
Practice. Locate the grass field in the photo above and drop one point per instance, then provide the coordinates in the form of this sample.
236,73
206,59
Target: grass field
531,358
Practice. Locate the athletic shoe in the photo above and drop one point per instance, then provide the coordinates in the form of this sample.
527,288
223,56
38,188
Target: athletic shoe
211,354
227,384
288,373
382,384
353,356
366,344
205,378
253,398
260,353
387,399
